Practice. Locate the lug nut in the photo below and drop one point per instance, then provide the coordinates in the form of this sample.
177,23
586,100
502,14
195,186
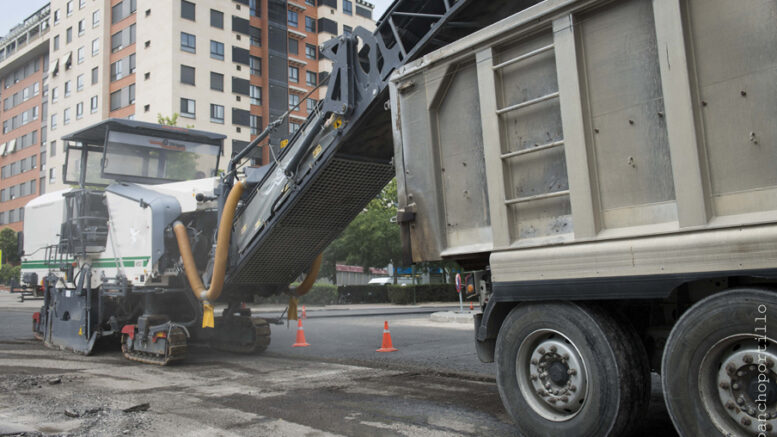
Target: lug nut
547,385
533,377
565,399
730,405
534,361
740,401
552,349
751,411
735,386
541,351
571,372
746,421
730,368
572,388
768,427
724,385
552,400
748,359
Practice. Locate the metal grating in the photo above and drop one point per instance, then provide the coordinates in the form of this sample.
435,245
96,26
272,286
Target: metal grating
318,217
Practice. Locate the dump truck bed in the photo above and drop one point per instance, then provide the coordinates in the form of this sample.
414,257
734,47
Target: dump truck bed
595,139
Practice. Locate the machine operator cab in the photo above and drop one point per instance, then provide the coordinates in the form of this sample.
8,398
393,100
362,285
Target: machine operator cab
145,153
134,160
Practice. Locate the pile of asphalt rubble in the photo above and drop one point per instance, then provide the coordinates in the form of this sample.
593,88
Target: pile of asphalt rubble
93,414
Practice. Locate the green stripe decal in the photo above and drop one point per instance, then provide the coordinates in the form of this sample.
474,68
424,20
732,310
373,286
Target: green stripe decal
128,261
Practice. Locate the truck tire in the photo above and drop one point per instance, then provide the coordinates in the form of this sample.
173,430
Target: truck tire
569,369
713,373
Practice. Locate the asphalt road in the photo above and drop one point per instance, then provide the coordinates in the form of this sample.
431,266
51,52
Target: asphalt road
434,385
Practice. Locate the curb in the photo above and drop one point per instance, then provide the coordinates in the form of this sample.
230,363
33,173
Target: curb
452,317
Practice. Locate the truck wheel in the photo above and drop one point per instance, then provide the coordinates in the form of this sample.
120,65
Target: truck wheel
718,369
569,369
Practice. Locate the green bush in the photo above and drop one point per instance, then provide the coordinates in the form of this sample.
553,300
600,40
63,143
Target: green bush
362,294
9,272
400,295
319,294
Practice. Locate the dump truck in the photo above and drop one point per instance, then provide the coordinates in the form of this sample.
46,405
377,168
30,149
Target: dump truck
605,170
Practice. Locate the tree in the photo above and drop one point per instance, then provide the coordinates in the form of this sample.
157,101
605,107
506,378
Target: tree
9,244
372,238
167,121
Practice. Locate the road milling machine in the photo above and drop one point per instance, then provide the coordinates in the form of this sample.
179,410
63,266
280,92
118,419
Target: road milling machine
151,235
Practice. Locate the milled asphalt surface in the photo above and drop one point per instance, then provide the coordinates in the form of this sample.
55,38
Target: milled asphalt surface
434,385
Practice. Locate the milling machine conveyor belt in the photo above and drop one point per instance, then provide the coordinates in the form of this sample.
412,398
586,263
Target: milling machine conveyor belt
342,156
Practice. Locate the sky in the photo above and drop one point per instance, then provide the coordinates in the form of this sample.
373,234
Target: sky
15,11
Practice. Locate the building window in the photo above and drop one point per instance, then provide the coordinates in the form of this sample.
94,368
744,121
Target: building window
254,125
310,51
81,54
79,110
216,81
256,95
293,101
66,116
216,19
69,8
217,113
293,74
117,70
56,42
80,82
95,18
52,176
68,88
187,74
187,10
310,24
310,105
81,4
256,65
57,16
93,104
293,127
188,42
310,78
53,149
95,75
54,95
69,35
347,29
255,7
293,46
347,7
293,19
95,46
187,108
81,27
217,50
256,36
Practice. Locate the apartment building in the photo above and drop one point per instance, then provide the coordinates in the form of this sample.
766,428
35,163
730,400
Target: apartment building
23,65
225,66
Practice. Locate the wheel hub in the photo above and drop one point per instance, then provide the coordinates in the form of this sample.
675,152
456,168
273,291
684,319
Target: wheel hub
550,366
746,385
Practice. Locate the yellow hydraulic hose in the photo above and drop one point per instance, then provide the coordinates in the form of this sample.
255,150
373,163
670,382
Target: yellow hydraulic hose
220,261
304,287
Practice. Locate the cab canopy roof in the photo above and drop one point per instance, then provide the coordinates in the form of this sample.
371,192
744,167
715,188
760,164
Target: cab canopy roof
95,134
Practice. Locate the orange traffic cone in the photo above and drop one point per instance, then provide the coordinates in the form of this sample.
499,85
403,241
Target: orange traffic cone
387,346
304,314
300,336
471,308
